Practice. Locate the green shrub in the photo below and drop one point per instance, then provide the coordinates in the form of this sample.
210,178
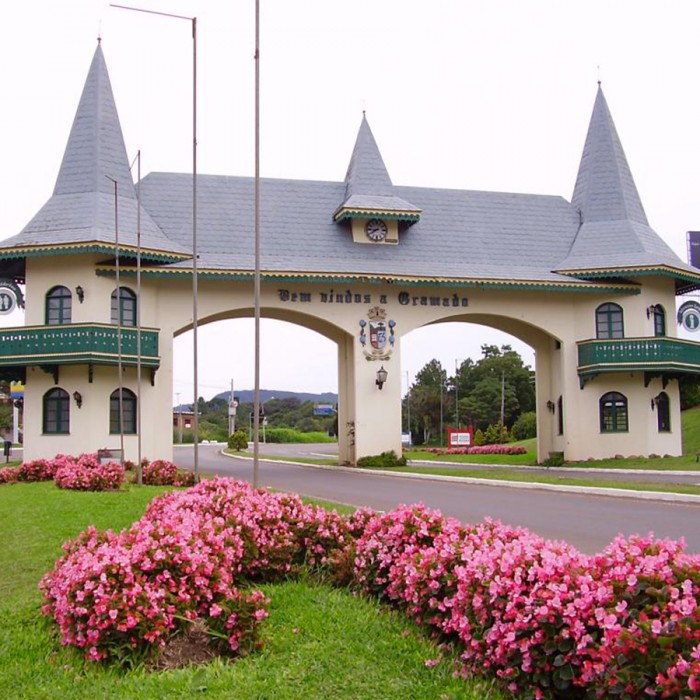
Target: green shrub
238,441
525,427
289,435
479,437
555,459
382,461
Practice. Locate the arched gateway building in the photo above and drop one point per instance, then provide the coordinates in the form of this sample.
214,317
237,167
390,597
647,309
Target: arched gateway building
587,284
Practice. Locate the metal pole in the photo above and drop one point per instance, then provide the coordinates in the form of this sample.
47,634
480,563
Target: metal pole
139,470
457,394
256,290
195,418
441,411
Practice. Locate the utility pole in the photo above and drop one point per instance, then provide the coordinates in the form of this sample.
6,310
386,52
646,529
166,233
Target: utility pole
503,397
232,406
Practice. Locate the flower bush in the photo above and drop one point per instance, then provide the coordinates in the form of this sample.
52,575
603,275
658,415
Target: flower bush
87,473
545,619
161,472
37,470
9,475
479,450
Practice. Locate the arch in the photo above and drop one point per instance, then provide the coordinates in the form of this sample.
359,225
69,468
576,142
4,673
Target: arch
126,315
659,321
128,412
59,306
609,322
663,413
56,412
613,413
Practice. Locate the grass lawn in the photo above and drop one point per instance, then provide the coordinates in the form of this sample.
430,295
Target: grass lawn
320,642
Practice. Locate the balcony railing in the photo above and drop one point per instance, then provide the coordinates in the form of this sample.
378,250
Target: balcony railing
78,343
658,355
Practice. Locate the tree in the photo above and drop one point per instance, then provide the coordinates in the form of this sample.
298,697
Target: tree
428,398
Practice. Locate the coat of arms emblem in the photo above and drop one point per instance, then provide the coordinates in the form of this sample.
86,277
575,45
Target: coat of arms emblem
380,333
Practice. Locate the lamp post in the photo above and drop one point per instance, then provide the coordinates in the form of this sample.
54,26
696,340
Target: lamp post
195,417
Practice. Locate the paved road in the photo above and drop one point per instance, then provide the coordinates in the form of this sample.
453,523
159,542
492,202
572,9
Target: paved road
587,521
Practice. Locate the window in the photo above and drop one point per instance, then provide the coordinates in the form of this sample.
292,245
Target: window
56,418
613,413
608,322
659,321
127,303
663,413
58,306
560,416
128,412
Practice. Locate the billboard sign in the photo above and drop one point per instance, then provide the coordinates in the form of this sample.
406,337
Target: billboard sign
694,248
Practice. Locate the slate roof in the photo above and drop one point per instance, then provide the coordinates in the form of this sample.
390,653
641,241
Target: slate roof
615,234
465,237
81,210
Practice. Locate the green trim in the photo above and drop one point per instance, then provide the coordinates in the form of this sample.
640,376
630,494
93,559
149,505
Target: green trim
343,214
663,270
101,248
324,278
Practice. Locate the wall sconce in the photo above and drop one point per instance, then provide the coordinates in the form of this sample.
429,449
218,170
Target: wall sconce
78,397
81,293
550,406
650,310
654,402
382,374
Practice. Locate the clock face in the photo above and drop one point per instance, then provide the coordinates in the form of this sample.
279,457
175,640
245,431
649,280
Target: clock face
376,230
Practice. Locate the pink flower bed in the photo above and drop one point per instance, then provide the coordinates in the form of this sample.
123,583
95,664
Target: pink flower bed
190,557
479,450
87,473
545,619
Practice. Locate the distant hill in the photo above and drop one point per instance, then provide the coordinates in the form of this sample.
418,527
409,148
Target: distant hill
247,395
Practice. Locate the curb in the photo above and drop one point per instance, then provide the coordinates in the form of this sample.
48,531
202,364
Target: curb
582,490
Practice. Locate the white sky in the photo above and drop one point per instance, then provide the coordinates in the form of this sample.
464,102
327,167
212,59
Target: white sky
471,94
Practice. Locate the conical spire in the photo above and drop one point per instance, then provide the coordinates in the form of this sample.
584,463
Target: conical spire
605,189
368,187
95,154
367,173
614,236
82,207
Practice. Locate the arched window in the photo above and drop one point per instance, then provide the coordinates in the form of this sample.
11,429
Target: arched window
560,416
608,322
128,402
659,321
613,413
56,412
58,306
663,413
127,304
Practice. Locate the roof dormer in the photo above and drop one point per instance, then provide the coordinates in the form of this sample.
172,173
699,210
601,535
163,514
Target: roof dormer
376,214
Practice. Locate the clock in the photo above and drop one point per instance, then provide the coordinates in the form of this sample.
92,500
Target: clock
376,230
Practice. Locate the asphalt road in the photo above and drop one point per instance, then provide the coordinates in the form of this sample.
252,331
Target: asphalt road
587,521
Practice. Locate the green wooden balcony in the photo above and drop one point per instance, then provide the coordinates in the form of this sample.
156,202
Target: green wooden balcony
77,344
668,357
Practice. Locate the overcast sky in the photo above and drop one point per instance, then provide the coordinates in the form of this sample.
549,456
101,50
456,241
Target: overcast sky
488,95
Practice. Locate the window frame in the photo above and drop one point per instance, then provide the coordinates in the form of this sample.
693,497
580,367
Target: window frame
129,404
55,412
62,314
613,413
659,321
609,322
127,303
663,413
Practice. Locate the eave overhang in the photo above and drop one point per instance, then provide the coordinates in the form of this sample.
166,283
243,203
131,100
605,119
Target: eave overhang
91,247
408,280
685,281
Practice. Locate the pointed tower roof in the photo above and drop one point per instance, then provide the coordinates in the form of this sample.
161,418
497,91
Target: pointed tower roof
368,187
80,215
614,237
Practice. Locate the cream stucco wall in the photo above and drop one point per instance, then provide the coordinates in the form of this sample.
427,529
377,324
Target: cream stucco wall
551,322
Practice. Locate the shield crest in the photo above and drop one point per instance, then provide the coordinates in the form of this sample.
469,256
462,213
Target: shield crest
377,334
